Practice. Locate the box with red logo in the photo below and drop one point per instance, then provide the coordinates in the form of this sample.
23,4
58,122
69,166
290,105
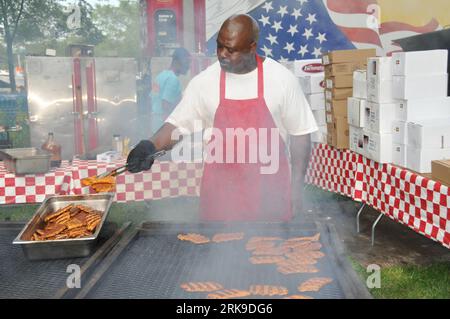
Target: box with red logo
312,84
309,67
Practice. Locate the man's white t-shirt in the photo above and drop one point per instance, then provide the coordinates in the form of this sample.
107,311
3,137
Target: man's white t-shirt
284,97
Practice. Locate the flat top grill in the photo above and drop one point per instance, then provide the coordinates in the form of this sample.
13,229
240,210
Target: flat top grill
151,262
21,278
155,263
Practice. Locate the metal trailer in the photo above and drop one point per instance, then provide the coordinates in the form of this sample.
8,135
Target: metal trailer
83,101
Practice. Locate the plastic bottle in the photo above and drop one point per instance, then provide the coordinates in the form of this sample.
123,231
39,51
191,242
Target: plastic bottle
54,149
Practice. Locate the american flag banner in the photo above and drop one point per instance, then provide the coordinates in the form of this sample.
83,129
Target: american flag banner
360,21
305,29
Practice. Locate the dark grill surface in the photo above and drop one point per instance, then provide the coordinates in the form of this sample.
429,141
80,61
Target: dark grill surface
21,278
155,263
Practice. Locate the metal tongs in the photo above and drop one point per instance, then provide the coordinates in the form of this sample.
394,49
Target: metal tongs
124,168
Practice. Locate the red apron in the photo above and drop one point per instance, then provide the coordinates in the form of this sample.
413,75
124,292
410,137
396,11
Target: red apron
239,192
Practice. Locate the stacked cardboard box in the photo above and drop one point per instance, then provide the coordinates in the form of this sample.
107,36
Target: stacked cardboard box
440,171
339,79
402,93
421,132
311,76
356,111
379,112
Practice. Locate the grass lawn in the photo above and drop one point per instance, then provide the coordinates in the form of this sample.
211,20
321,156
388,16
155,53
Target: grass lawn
411,282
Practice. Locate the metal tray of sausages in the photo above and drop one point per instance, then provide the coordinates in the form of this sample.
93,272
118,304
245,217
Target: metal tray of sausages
62,248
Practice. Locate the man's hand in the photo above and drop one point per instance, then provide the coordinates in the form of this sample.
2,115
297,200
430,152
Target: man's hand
137,159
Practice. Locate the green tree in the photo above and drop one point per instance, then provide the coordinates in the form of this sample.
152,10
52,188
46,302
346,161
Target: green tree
38,24
120,27
10,13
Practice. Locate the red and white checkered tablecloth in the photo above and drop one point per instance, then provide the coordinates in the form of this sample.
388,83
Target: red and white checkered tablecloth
332,170
413,200
410,199
164,180
33,188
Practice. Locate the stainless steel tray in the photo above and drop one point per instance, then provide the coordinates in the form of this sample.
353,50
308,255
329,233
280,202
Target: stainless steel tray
63,248
26,160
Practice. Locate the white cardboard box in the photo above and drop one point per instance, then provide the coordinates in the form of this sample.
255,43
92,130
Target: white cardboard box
416,110
360,84
312,84
309,67
429,133
400,132
399,154
320,136
109,157
356,109
417,87
420,62
316,101
377,147
419,159
380,91
356,140
380,117
379,68
320,116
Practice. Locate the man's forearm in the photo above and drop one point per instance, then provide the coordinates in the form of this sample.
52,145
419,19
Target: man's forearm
300,149
163,138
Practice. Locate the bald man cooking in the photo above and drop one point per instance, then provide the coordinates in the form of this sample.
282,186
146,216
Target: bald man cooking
242,92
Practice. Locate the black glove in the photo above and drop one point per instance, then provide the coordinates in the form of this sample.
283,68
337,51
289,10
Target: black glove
137,159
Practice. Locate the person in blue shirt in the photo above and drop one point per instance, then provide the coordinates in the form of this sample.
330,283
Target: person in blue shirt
166,88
